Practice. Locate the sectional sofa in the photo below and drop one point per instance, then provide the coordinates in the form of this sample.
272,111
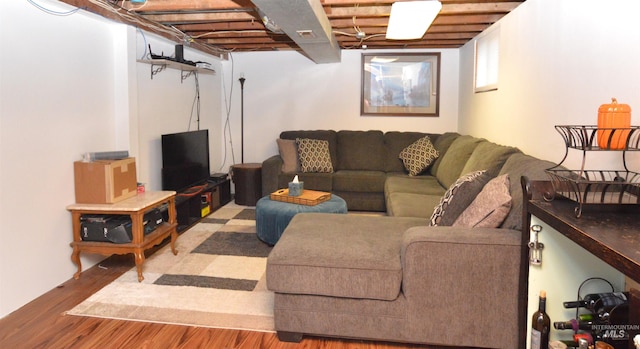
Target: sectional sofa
419,273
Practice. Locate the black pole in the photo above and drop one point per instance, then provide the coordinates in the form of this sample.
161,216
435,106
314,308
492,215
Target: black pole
242,79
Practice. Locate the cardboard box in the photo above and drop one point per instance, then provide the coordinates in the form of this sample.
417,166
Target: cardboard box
105,181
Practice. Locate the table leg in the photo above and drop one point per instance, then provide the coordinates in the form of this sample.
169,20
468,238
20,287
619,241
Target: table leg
174,237
75,255
75,258
139,255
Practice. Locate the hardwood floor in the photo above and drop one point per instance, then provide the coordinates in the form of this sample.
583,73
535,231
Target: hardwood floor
43,324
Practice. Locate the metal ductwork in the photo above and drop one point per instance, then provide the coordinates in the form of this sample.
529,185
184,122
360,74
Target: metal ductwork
306,23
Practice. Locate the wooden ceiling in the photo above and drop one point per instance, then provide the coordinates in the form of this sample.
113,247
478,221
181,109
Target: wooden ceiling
221,26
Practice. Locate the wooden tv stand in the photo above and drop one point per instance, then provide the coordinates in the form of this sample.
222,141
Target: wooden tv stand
135,207
190,208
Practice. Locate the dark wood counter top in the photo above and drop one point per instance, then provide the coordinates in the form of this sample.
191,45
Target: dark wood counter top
610,233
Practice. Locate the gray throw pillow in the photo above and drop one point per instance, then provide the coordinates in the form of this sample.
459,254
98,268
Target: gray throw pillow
289,153
458,197
490,207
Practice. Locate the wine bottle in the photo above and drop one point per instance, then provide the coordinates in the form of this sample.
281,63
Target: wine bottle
600,301
540,324
606,307
585,317
573,324
591,331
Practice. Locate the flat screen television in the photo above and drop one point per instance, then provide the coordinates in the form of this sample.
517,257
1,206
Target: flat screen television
185,159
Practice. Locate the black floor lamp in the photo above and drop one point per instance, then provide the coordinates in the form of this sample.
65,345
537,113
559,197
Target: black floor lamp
242,79
247,177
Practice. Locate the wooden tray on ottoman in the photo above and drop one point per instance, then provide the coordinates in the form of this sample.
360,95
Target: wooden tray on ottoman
308,197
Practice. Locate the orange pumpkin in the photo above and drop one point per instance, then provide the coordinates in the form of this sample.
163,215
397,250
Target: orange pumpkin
615,120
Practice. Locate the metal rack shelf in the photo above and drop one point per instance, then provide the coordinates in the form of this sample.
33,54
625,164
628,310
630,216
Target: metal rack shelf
158,65
584,137
619,187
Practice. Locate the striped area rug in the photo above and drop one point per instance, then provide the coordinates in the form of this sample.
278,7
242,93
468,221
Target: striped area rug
216,280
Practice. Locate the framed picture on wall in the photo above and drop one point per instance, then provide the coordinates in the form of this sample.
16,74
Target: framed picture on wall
400,84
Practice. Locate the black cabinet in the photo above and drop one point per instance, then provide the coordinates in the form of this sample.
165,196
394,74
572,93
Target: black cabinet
198,202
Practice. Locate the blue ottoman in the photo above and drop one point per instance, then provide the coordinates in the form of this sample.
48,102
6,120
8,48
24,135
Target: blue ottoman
272,217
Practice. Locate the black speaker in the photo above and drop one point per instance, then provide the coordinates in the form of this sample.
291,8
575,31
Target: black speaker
106,228
179,53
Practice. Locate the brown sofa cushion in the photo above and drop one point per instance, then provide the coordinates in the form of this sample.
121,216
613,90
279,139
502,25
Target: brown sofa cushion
360,150
516,166
454,160
411,204
340,256
442,144
362,201
425,185
359,181
488,155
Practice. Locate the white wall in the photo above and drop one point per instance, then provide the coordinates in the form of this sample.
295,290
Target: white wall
287,91
51,112
69,85
559,61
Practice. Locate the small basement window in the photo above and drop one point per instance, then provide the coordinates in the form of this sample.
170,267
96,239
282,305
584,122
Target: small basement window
487,52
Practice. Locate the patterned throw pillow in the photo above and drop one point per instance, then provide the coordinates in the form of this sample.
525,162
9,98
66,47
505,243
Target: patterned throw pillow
314,155
418,156
490,207
459,195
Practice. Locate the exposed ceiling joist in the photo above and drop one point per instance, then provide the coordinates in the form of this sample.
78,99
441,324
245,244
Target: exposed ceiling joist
221,26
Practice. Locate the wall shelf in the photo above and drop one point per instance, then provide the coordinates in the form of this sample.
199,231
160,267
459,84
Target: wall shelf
158,65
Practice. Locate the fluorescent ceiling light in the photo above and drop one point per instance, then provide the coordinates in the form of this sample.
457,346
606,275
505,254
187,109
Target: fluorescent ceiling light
378,59
410,19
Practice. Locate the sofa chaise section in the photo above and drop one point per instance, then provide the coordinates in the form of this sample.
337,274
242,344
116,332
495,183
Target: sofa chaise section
395,279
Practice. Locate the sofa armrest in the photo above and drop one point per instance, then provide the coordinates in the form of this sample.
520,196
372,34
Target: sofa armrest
271,168
463,283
